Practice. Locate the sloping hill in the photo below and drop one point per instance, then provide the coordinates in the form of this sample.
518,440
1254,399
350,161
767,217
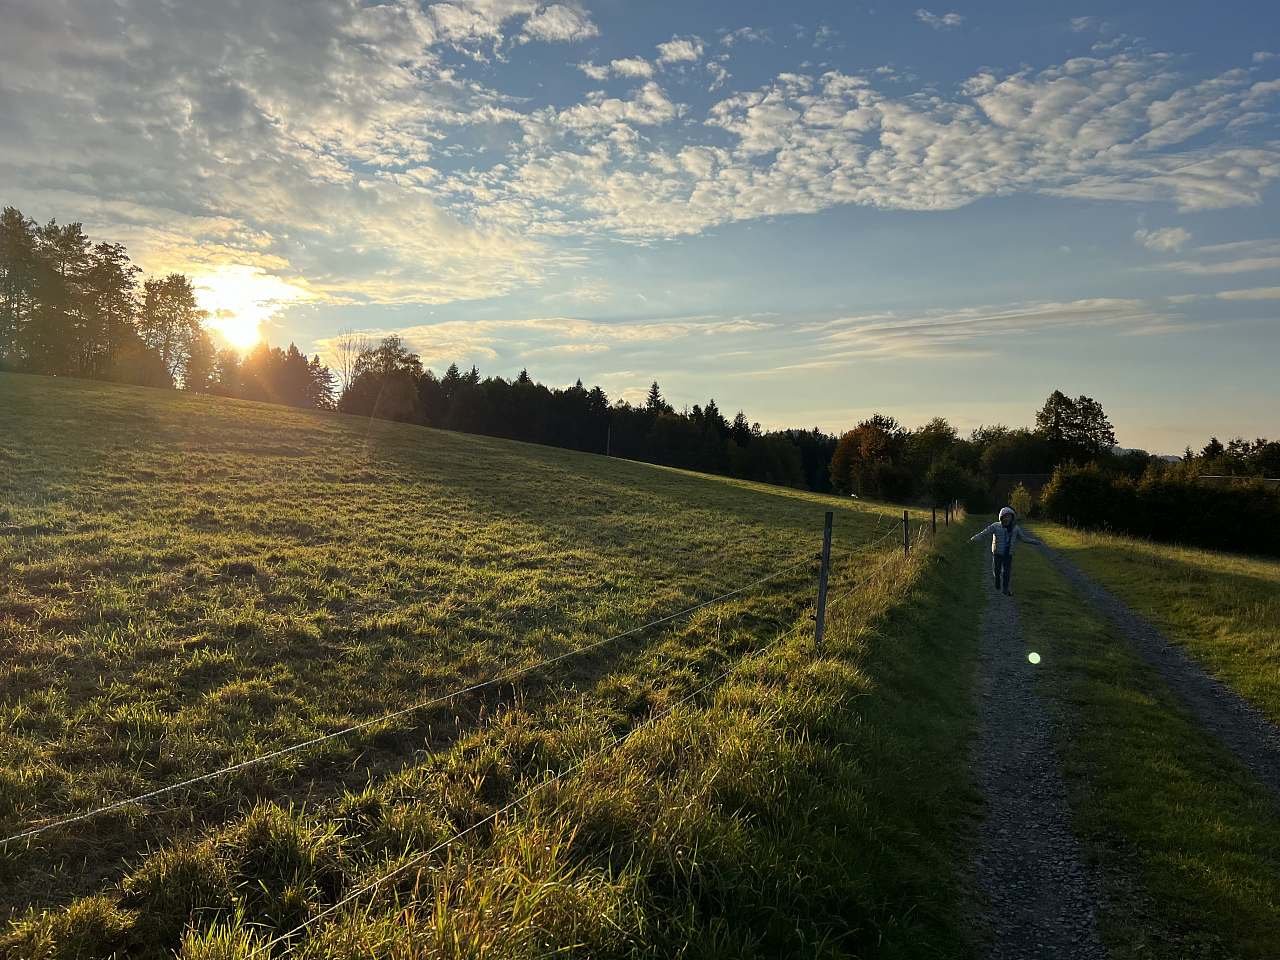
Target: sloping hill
189,583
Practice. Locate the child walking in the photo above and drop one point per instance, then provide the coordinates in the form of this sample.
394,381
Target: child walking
1004,532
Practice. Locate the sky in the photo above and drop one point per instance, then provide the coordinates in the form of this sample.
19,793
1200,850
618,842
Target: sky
809,211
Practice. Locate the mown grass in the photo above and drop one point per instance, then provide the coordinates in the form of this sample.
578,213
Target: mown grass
190,581
1188,841
1224,609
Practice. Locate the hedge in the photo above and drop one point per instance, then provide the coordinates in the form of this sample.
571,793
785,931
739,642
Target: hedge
1243,517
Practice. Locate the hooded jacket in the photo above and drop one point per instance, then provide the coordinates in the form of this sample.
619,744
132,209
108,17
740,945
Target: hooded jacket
1003,538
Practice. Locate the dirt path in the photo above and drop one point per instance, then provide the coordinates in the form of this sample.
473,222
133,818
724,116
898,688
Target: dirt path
1042,900
1236,723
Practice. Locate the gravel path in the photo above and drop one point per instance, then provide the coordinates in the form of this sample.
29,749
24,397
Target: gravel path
1239,725
1042,900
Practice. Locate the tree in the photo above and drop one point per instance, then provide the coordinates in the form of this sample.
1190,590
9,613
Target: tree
18,267
110,307
1019,451
867,459
929,443
170,322
1075,429
388,357
347,347
201,364
947,481
654,402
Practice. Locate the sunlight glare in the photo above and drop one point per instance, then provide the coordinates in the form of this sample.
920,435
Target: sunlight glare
239,299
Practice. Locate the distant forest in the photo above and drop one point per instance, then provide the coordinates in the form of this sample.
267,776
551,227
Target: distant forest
72,307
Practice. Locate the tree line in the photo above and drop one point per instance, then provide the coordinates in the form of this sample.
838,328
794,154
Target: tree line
73,307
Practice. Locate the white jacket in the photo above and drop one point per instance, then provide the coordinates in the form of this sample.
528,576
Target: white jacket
1003,537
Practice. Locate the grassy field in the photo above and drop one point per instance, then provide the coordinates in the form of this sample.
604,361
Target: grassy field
1223,608
187,582
1188,842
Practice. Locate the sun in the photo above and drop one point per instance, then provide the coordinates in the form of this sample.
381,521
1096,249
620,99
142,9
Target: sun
239,299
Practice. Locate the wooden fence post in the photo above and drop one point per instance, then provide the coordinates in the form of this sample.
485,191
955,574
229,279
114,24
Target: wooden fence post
820,618
906,534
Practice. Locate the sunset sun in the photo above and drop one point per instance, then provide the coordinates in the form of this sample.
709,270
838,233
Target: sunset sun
240,299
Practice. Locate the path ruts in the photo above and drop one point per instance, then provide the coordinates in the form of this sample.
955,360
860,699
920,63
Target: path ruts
1041,899
1236,723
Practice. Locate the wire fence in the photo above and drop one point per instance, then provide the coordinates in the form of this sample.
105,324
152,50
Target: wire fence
849,588
35,829
614,744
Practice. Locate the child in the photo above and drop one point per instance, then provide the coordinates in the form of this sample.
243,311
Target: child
1003,534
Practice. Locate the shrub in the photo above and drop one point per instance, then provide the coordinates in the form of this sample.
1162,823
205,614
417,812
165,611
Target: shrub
1242,517
1020,500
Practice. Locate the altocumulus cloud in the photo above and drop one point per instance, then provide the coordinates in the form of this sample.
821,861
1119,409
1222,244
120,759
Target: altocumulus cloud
1126,126
347,143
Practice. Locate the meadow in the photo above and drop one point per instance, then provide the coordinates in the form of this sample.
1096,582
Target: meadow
1223,608
190,582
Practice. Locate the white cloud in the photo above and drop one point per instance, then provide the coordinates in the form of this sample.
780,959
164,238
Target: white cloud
311,160
966,333
1255,293
1087,24
474,341
357,153
680,50
1262,56
559,23
939,21
825,36
746,35
1242,256
1166,239
719,75
1113,128
595,71
632,67
648,106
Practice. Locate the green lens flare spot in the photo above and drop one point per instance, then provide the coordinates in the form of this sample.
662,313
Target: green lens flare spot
1033,657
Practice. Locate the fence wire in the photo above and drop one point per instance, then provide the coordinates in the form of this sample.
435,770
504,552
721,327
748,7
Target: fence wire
34,829
615,744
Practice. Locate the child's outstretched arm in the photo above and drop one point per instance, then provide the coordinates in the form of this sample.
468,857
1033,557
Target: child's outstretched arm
984,532
1027,538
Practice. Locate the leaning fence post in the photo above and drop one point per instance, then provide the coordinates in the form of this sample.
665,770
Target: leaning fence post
906,534
820,618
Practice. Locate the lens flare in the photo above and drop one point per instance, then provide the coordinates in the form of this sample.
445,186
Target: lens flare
1033,657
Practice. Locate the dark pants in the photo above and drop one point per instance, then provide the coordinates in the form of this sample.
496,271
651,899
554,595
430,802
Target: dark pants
1001,569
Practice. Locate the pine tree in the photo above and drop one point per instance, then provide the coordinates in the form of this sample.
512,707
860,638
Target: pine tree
654,402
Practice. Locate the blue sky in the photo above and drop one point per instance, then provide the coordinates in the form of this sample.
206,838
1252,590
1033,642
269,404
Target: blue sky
811,212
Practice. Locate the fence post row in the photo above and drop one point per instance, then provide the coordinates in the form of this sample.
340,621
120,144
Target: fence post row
820,617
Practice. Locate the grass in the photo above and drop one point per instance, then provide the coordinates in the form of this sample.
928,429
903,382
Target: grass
1223,608
1188,842
190,581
